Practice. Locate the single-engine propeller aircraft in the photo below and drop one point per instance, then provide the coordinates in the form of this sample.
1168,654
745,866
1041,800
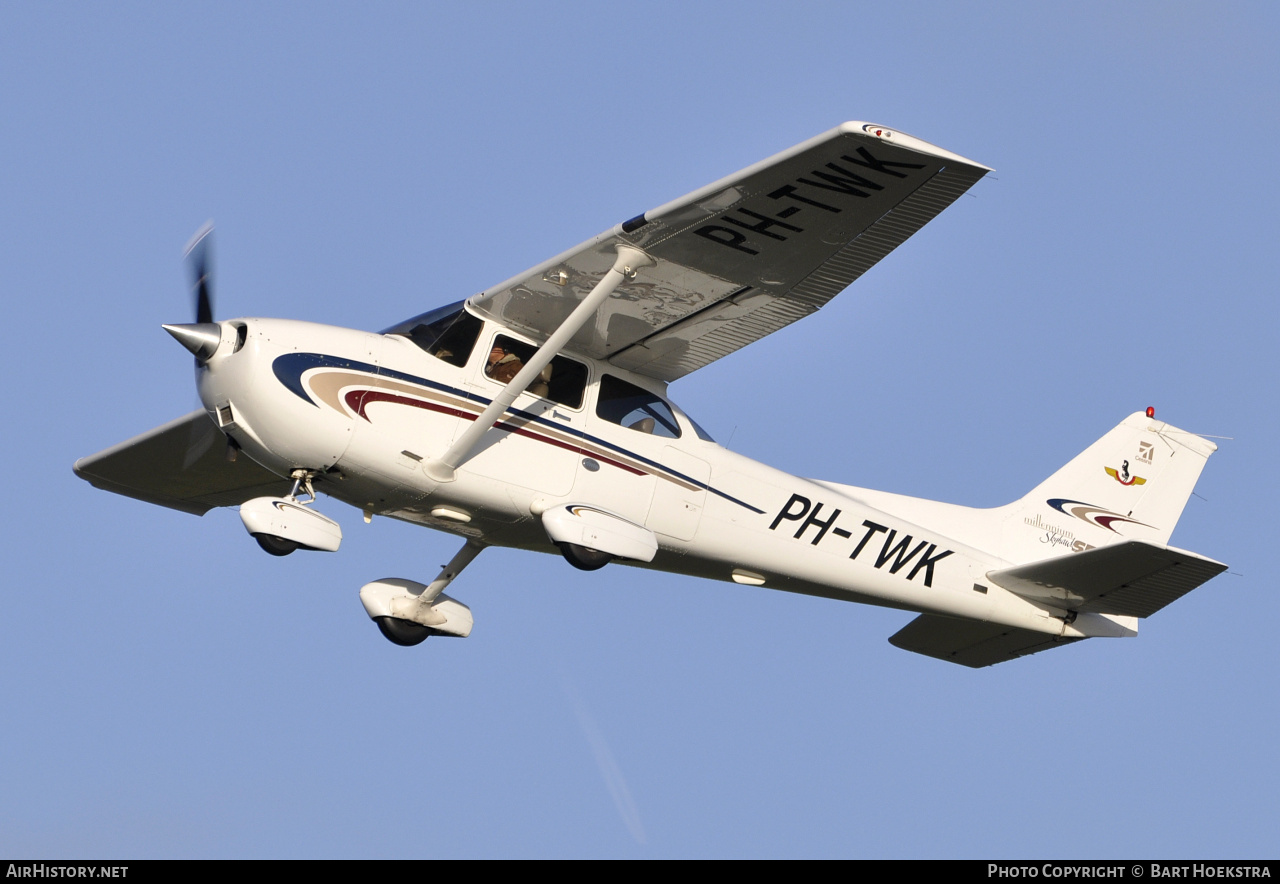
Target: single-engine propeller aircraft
535,415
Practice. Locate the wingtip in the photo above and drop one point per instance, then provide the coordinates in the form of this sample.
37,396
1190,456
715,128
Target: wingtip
903,139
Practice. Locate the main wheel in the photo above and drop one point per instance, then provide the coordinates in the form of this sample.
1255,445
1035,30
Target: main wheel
405,633
584,558
277,546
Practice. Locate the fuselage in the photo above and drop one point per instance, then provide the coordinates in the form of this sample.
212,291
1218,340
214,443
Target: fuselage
365,412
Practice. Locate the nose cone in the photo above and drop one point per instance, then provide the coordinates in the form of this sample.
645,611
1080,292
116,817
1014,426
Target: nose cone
200,338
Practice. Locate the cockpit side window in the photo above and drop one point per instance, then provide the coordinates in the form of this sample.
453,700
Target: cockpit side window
635,408
563,381
447,333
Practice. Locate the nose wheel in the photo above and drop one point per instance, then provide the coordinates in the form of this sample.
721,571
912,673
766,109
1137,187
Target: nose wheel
276,546
282,546
281,525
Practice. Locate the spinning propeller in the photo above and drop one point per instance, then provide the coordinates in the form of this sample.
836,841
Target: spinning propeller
202,336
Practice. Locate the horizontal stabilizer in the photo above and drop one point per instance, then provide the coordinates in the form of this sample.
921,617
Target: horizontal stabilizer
970,642
181,465
1133,578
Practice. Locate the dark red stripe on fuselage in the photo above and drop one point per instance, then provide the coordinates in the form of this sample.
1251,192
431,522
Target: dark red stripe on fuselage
359,400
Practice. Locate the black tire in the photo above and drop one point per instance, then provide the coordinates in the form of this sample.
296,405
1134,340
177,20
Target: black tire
276,546
404,633
584,558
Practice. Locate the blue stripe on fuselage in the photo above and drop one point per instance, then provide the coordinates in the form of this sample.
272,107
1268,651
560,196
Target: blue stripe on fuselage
290,367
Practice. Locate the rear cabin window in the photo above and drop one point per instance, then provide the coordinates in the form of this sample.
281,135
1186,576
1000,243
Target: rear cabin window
635,408
698,430
447,333
562,381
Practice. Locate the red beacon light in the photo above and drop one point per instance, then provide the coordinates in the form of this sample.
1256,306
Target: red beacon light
1151,411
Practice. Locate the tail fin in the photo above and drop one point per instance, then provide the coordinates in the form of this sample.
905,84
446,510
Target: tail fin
1131,484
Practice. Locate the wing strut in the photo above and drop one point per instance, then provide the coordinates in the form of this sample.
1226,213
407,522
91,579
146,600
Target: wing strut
629,260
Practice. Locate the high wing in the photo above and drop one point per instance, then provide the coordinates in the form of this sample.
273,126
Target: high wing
181,465
744,256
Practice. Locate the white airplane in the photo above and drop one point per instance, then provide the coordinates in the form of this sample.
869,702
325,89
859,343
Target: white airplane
535,415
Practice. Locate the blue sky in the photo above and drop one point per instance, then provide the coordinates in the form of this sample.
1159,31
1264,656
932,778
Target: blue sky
170,691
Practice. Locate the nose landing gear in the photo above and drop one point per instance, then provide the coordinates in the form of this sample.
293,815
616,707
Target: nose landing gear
276,546
284,524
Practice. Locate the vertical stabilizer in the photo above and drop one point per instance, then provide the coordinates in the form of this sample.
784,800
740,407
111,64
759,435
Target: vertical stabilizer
1131,484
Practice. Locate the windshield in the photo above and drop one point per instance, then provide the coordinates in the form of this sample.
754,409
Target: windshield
448,333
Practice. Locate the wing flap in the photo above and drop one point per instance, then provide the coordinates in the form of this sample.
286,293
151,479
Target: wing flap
970,642
745,256
1134,578
181,465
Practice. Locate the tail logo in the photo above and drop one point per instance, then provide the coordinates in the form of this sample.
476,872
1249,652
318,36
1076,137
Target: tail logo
1122,475
1094,515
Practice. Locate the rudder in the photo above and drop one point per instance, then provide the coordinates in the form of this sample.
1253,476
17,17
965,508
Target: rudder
1132,484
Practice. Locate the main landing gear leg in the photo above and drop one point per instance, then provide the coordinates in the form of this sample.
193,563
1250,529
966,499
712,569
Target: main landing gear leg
460,560
407,613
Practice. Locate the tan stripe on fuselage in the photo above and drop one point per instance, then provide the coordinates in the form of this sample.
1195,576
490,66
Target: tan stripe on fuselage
327,386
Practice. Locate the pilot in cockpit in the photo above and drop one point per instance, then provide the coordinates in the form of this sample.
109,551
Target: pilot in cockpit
503,365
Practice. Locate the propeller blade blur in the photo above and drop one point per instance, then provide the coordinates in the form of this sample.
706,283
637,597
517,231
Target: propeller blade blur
199,257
